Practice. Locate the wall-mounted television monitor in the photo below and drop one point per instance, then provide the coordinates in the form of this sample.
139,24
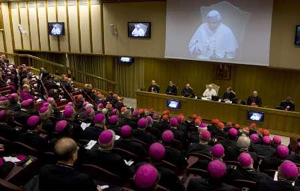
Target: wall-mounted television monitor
125,59
139,29
173,104
56,28
297,36
256,116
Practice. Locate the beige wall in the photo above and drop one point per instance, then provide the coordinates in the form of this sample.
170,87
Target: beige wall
83,24
120,14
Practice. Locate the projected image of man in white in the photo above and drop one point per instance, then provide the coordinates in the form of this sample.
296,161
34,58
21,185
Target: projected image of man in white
213,40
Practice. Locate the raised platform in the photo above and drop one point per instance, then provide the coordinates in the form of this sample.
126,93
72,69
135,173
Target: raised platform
277,121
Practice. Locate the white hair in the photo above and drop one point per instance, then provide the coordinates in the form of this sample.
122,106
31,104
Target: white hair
214,16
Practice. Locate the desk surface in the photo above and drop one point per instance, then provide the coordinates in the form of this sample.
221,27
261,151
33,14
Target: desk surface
277,121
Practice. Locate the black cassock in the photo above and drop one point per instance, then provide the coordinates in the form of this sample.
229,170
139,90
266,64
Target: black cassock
199,184
256,100
63,177
271,185
287,105
187,92
171,90
154,88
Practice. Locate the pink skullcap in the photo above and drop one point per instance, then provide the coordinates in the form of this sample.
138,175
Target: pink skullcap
100,105
149,120
216,169
289,169
126,131
13,96
61,125
142,123
114,111
299,144
46,104
106,137
68,112
217,151
277,139
155,116
43,110
282,151
25,103
157,151
3,99
113,119
245,159
88,111
50,99
70,103
203,125
21,157
2,113
173,122
99,118
233,132
33,120
266,140
145,176
84,103
167,136
254,138
135,113
1,161
205,135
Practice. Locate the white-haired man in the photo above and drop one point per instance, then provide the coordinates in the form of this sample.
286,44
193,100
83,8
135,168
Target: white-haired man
213,39
209,92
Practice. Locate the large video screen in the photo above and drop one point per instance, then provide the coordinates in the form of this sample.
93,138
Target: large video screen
232,31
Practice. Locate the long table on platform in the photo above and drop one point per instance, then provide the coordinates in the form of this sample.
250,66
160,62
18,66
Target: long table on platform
279,122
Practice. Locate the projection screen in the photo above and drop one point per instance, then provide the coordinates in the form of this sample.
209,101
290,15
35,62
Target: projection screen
232,31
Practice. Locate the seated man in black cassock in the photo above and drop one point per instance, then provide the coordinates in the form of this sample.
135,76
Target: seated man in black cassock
187,91
216,171
171,89
103,156
254,100
201,147
229,94
154,88
287,104
62,176
287,174
296,156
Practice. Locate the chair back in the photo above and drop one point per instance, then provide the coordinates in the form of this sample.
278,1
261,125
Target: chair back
22,148
145,145
200,156
126,154
232,164
101,174
244,185
177,144
197,171
7,186
170,166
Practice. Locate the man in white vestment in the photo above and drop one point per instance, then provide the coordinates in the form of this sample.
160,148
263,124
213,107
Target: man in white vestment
213,39
209,92
138,31
56,30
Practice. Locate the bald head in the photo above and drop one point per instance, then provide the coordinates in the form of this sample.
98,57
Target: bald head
153,82
66,150
254,93
188,86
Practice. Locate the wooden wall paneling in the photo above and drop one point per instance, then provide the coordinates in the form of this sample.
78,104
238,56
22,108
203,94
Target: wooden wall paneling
73,26
25,24
2,34
96,27
43,25
85,33
15,22
8,31
51,6
62,17
29,28
34,30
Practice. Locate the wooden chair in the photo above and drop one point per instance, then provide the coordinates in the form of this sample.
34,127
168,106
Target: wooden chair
232,164
200,156
196,171
126,154
4,141
145,145
7,186
244,185
22,148
101,174
170,166
177,144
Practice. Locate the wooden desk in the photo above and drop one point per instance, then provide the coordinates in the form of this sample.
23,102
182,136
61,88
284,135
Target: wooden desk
277,121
